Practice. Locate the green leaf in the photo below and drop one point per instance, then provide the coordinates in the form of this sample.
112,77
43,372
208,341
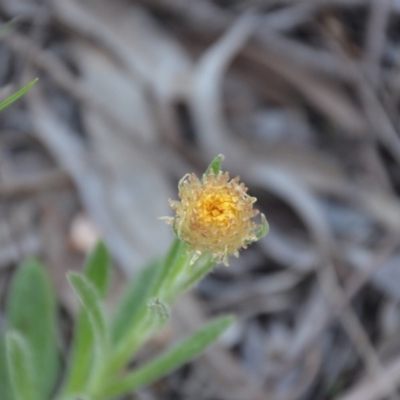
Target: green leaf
21,368
134,321
31,310
170,360
82,358
97,268
9,100
263,229
5,388
90,299
82,354
133,301
215,165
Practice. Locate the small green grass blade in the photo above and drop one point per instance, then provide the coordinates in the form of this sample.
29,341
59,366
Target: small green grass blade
15,96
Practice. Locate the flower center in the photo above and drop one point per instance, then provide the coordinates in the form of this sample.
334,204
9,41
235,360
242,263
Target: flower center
216,210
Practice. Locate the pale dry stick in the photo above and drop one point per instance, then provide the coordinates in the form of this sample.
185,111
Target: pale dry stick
284,19
379,120
206,97
395,4
375,388
73,157
279,52
369,151
320,92
352,288
235,383
38,182
376,37
284,56
375,113
380,11
328,3
194,16
295,13
57,71
309,210
206,100
332,291
153,58
87,23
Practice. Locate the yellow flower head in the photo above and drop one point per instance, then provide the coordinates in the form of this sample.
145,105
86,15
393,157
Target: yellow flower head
215,214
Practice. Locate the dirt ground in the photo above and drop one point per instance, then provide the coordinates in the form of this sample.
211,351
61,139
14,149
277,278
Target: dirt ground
301,96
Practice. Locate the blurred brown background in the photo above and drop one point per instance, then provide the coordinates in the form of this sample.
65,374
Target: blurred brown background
301,96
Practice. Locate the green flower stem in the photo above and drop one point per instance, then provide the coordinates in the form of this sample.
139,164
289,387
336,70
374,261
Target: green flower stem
176,259
181,276
202,267
170,258
178,271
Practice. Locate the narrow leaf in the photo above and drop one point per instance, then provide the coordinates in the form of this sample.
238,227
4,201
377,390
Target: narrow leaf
31,310
9,100
4,376
170,360
134,299
97,268
215,165
264,228
82,358
134,321
21,368
91,301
